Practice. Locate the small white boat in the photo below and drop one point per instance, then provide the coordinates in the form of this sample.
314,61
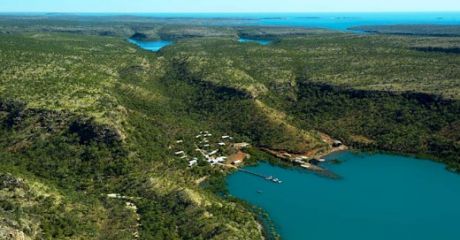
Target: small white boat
276,180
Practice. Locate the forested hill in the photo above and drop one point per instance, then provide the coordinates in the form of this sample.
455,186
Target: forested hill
89,123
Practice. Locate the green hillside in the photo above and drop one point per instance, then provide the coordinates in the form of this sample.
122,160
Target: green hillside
89,123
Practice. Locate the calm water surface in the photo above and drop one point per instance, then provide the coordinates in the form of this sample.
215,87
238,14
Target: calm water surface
380,197
337,21
343,21
259,41
153,46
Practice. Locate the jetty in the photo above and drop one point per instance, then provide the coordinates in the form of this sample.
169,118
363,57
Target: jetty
268,178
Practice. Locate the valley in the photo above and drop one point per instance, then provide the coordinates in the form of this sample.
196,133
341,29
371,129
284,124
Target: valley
85,114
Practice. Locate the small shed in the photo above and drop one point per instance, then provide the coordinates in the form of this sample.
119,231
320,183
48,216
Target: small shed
337,143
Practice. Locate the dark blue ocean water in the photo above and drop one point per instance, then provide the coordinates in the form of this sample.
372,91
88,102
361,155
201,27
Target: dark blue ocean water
380,197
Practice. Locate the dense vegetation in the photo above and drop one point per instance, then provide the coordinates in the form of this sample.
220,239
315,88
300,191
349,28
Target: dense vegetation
84,114
116,144
412,123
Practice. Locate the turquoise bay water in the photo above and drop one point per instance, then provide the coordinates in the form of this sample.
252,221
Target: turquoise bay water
380,197
153,46
343,21
259,41
337,21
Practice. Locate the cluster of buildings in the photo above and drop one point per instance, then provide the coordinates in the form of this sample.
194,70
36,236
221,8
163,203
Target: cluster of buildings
207,148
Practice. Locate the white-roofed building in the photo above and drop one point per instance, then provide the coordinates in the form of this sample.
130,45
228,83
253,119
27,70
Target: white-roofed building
213,152
192,163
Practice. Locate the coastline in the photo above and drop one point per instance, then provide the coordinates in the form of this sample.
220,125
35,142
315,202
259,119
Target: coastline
311,159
